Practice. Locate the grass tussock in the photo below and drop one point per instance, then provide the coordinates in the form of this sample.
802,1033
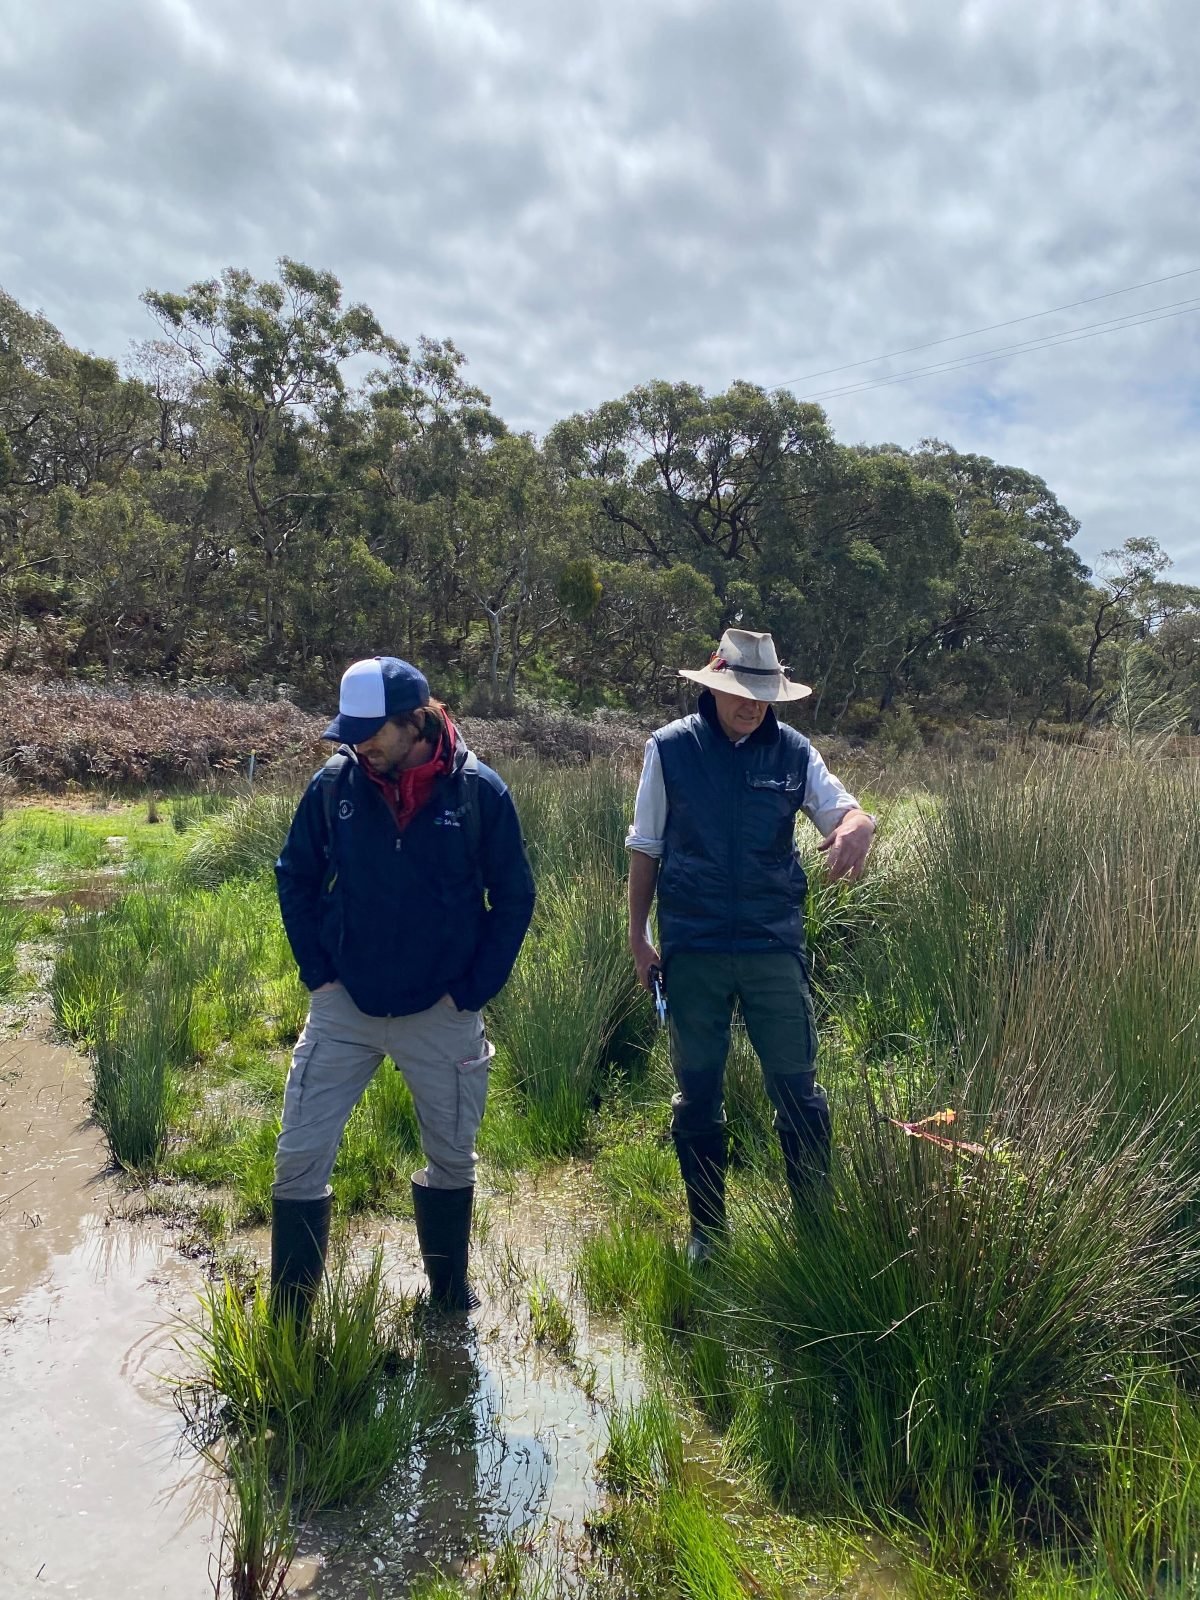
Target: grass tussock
571,993
337,1406
259,1534
942,1347
240,842
979,1308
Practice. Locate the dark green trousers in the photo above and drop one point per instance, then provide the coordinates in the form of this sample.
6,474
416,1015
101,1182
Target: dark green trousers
772,989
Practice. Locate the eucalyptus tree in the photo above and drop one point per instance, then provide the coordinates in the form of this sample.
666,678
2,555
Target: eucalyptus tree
270,356
427,431
1019,589
835,552
677,475
75,431
513,535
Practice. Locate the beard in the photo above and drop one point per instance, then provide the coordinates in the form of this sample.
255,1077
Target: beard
381,767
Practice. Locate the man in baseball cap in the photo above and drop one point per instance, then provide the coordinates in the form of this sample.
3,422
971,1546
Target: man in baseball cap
713,836
406,893
372,692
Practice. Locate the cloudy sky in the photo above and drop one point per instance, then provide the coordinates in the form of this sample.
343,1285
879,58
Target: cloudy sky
585,198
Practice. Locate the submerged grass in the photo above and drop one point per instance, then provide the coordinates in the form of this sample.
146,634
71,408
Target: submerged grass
679,1525
259,1537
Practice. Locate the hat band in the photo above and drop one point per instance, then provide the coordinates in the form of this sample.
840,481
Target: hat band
721,665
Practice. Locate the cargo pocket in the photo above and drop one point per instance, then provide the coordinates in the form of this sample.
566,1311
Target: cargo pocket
471,1078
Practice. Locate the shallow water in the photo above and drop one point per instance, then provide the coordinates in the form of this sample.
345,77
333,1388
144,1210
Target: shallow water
524,1464
103,1497
98,1499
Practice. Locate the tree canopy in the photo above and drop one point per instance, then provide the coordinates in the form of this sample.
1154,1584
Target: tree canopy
236,510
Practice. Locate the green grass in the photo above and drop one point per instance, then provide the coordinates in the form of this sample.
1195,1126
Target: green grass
52,847
983,1354
679,1524
572,816
44,850
157,982
338,1404
259,1536
239,843
555,1022
1147,1507
550,1322
943,1348
951,1320
12,931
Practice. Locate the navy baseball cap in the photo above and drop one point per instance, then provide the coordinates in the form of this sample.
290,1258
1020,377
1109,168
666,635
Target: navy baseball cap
371,692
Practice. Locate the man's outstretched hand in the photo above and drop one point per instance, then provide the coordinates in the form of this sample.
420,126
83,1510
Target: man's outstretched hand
846,848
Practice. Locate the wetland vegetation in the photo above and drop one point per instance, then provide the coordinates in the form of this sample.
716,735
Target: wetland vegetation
983,1351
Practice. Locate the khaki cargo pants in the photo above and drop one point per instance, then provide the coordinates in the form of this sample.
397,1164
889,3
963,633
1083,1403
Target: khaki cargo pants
444,1056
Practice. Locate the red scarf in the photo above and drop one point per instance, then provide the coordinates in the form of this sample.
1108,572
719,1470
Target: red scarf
411,788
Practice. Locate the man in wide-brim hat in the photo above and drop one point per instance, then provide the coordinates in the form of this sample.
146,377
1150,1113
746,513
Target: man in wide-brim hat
713,836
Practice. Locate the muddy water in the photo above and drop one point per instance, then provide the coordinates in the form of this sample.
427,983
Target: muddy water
100,1497
102,1500
98,1500
524,1463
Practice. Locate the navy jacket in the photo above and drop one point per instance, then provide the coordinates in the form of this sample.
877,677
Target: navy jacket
730,878
400,918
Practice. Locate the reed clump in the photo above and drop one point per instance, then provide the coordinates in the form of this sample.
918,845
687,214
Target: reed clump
337,1402
942,1341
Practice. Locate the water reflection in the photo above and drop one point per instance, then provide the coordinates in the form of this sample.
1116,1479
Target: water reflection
470,1483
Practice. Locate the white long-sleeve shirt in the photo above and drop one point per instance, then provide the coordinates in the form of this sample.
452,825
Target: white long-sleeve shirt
826,801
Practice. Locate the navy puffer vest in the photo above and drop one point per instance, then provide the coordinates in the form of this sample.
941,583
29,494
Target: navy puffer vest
730,878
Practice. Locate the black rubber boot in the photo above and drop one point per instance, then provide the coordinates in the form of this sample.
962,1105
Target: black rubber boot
806,1158
702,1159
443,1219
299,1239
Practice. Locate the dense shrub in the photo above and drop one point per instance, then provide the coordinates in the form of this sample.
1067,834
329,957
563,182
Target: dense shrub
58,733
55,734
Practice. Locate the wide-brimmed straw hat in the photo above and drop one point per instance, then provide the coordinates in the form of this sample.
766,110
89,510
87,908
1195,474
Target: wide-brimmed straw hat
746,664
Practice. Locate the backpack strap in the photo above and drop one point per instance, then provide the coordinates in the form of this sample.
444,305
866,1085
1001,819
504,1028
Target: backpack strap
472,822
331,773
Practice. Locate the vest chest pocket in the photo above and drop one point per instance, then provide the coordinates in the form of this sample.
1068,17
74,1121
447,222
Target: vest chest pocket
790,784
773,800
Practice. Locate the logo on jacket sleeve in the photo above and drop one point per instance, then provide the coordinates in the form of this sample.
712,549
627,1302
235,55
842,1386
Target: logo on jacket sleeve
346,810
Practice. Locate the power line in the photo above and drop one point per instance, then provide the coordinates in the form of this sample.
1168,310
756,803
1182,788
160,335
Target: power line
1048,342
992,327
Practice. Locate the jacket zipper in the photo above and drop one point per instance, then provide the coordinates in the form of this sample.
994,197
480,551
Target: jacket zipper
734,853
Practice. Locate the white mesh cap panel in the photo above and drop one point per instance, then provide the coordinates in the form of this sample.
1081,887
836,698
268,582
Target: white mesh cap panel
362,692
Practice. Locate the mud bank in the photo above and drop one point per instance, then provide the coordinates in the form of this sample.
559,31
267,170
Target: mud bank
99,1499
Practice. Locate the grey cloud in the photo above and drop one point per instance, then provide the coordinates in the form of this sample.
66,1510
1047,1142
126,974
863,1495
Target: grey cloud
663,188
